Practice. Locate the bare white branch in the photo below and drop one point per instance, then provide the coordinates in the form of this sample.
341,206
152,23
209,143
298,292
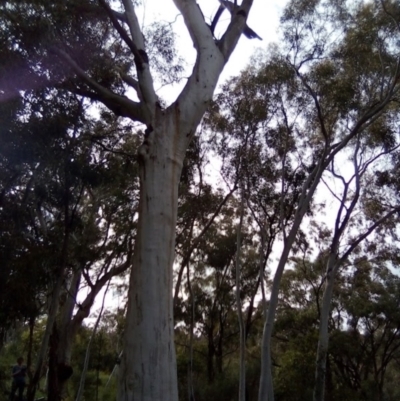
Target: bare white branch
211,59
141,59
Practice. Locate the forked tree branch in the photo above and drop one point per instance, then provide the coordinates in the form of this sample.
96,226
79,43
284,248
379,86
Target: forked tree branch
236,27
211,59
141,59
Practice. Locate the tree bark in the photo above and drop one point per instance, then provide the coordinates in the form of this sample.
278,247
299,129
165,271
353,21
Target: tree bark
87,355
191,339
210,355
67,327
266,391
242,329
51,318
148,366
323,338
53,383
32,321
62,339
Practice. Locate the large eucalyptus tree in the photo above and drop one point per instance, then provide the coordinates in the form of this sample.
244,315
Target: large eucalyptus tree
96,51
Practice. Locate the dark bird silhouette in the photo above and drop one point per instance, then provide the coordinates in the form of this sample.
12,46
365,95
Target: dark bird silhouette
231,7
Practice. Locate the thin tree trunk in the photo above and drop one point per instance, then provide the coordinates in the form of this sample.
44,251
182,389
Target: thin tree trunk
113,371
30,346
61,342
51,319
190,367
266,391
53,383
87,355
261,264
329,387
242,353
69,324
323,338
66,326
211,354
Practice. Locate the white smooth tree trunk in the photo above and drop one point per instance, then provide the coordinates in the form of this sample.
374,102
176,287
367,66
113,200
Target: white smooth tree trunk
148,367
266,391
